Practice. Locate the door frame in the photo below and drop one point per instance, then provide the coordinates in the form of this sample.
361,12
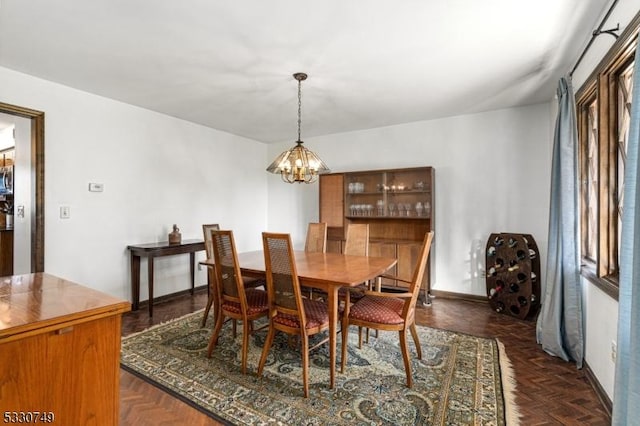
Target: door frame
37,180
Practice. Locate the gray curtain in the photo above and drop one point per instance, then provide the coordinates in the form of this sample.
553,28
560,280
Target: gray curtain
626,396
559,329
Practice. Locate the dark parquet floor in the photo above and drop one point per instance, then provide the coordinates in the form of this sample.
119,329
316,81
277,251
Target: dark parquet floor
549,390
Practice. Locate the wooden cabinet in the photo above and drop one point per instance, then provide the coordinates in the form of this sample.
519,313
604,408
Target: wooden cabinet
59,350
398,205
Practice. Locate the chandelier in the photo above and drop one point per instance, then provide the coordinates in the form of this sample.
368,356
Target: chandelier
298,164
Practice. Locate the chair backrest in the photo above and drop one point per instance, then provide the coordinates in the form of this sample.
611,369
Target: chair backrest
283,286
208,246
357,242
230,285
316,237
418,274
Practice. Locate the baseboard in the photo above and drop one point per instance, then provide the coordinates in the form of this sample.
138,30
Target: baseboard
460,296
597,387
170,296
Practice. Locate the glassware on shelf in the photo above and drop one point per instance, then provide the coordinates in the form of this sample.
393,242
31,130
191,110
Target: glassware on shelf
419,209
380,207
427,208
369,209
407,208
392,209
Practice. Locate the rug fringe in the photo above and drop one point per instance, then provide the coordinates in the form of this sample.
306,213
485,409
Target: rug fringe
511,412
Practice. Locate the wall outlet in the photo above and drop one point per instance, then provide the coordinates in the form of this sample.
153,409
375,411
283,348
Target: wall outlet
614,350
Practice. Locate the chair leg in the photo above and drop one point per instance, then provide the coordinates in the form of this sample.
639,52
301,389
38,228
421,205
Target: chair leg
359,337
246,325
206,311
216,332
235,328
414,333
345,339
305,364
405,357
265,350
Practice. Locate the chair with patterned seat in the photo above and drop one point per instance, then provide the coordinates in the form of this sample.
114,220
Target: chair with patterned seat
390,312
249,282
235,302
357,244
289,312
211,273
316,240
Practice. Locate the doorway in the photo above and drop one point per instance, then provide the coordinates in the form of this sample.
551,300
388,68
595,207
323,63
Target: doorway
37,180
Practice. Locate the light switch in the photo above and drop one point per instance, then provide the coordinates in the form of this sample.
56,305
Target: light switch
65,212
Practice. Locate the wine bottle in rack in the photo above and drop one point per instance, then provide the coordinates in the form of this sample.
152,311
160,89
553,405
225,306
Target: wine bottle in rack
494,292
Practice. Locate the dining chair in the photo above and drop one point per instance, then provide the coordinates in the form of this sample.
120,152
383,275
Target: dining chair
316,241
289,312
249,282
357,244
211,274
390,312
235,302
316,237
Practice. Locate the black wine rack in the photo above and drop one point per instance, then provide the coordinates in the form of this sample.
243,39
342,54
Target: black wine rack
513,274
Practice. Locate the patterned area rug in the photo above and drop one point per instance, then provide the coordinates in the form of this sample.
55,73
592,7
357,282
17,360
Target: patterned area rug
461,380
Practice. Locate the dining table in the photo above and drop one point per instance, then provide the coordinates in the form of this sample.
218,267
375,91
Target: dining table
325,271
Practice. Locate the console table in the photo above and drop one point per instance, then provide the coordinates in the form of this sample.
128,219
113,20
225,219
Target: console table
152,250
59,352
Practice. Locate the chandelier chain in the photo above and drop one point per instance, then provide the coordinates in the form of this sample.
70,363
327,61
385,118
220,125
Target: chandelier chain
299,106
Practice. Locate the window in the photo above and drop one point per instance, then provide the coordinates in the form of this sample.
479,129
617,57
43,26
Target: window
603,112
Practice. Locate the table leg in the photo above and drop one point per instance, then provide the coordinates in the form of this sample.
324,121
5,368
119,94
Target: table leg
135,281
333,326
192,257
150,273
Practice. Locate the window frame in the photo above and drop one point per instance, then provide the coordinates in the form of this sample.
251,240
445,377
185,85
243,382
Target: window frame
602,86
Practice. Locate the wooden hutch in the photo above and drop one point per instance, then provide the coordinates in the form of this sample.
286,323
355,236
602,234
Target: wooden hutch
398,205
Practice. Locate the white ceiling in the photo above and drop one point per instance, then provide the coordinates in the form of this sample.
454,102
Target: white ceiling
371,63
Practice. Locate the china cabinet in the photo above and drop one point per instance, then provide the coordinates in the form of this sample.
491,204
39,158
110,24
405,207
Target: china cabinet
398,205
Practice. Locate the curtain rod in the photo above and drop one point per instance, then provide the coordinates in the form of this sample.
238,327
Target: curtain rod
596,33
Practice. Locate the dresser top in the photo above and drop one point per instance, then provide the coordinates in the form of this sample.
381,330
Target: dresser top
36,301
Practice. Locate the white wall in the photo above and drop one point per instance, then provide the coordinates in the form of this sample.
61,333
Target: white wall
492,175
156,170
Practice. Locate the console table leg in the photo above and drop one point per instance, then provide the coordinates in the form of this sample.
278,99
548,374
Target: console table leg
150,268
135,281
192,257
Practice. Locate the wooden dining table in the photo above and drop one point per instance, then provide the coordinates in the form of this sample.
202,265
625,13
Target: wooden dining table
326,271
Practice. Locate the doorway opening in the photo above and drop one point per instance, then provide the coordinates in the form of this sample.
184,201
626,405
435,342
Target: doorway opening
37,180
